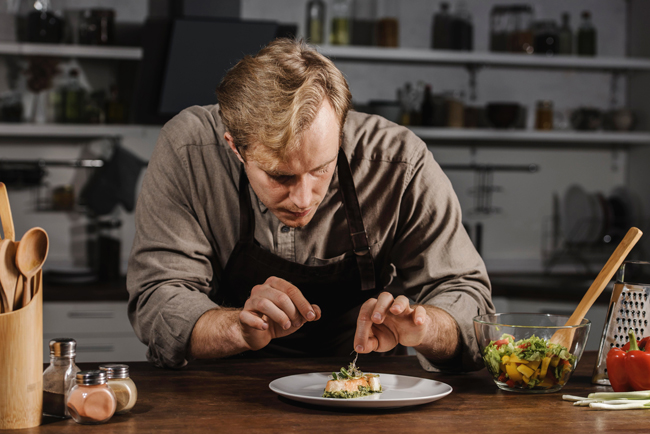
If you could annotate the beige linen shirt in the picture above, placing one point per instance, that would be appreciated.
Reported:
(187, 224)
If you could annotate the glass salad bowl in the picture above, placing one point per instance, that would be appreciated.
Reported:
(520, 355)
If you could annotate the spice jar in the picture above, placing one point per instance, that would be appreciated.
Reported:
(124, 388)
(544, 115)
(91, 401)
(59, 377)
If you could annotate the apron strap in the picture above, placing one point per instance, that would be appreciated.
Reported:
(355, 224)
(246, 217)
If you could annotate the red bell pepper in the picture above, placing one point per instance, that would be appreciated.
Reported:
(629, 370)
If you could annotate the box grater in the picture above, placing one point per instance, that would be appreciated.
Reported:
(629, 308)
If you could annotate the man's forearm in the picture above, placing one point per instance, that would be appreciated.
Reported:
(217, 334)
(443, 337)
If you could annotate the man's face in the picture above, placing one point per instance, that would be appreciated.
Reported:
(294, 189)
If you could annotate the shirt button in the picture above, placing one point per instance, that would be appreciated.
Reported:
(285, 229)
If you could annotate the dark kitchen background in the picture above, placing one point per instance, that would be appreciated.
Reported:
(537, 110)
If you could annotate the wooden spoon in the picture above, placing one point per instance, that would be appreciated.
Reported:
(30, 256)
(5, 214)
(564, 337)
(8, 273)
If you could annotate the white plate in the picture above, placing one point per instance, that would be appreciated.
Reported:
(399, 391)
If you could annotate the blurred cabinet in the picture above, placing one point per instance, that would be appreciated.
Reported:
(102, 331)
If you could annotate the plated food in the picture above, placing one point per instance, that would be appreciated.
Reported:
(351, 383)
(532, 363)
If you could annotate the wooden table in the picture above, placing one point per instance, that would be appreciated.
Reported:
(233, 396)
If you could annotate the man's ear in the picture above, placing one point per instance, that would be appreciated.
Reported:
(231, 143)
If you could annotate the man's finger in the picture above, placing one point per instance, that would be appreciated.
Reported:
(400, 305)
(264, 306)
(419, 315)
(362, 341)
(297, 298)
(384, 301)
(251, 320)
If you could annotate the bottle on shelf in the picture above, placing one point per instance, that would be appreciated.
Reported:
(364, 22)
(115, 111)
(586, 37)
(341, 18)
(73, 99)
(462, 36)
(427, 108)
(388, 24)
(441, 31)
(315, 22)
(565, 36)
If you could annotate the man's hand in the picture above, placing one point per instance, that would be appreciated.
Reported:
(274, 309)
(385, 321)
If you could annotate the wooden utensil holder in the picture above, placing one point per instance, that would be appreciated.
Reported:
(21, 363)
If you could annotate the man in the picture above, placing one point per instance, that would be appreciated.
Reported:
(281, 223)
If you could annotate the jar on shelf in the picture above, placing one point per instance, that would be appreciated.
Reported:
(43, 24)
(122, 385)
(364, 22)
(341, 18)
(521, 38)
(544, 115)
(91, 401)
(59, 377)
(315, 31)
(462, 30)
(441, 29)
(546, 37)
(501, 26)
(388, 24)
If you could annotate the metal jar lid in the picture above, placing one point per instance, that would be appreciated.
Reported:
(115, 370)
(91, 378)
(63, 347)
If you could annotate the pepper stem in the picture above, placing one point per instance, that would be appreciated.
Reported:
(633, 345)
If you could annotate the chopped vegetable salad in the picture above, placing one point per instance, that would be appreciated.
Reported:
(528, 363)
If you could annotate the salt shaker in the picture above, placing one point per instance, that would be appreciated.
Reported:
(59, 377)
(123, 386)
(91, 401)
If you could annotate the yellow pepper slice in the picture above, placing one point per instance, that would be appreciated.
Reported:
(554, 361)
(534, 365)
(515, 359)
(525, 370)
(514, 375)
(505, 359)
(544, 369)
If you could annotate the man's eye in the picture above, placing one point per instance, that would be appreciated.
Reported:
(280, 178)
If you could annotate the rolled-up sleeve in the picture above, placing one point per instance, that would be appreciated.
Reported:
(436, 261)
(170, 272)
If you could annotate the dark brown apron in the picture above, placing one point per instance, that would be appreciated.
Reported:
(338, 289)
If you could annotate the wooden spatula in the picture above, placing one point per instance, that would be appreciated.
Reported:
(564, 337)
(8, 273)
(5, 214)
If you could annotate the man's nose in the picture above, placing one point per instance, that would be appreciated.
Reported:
(301, 193)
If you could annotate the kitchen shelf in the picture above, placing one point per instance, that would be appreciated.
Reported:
(70, 131)
(76, 51)
(478, 58)
(595, 138)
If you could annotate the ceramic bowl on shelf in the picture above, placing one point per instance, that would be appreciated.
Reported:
(518, 354)
(503, 115)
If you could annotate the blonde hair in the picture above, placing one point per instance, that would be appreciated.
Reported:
(270, 98)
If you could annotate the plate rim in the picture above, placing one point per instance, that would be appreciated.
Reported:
(379, 403)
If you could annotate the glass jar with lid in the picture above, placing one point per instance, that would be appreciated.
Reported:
(91, 401)
(315, 31)
(521, 40)
(341, 18)
(546, 37)
(59, 377)
(501, 25)
(123, 386)
(388, 24)
(364, 21)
